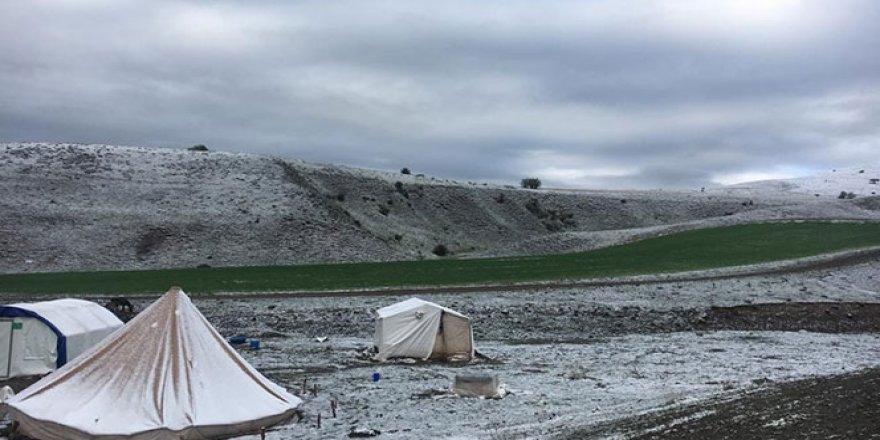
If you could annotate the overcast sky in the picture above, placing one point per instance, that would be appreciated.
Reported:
(590, 94)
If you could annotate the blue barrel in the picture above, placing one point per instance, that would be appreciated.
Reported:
(255, 344)
(376, 376)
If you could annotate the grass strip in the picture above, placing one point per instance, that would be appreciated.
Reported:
(685, 251)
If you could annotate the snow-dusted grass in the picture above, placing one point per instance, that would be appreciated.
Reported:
(686, 251)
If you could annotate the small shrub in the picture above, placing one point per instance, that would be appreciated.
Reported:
(405, 170)
(552, 226)
(530, 183)
(384, 210)
(535, 208)
(198, 147)
(500, 198)
(567, 218)
(340, 197)
(400, 189)
(440, 250)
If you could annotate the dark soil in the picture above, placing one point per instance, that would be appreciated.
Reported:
(814, 317)
(560, 323)
(838, 407)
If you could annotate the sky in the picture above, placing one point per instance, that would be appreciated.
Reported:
(580, 94)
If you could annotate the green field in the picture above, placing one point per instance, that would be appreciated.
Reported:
(693, 250)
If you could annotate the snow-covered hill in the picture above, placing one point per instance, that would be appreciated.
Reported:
(84, 207)
(860, 181)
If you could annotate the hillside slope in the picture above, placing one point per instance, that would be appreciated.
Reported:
(861, 181)
(97, 207)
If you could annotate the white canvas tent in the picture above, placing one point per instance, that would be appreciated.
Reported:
(168, 374)
(37, 338)
(420, 329)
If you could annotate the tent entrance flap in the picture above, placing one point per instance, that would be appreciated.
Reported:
(6, 335)
(453, 337)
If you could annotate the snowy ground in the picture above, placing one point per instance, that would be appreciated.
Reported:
(621, 364)
(553, 387)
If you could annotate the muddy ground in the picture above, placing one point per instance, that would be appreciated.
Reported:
(842, 407)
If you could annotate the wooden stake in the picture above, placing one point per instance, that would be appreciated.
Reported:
(262, 433)
(333, 407)
(319, 420)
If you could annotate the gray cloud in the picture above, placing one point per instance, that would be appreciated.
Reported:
(600, 94)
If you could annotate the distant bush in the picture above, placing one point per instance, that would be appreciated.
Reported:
(198, 147)
(552, 226)
(400, 189)
(534, 206)
(530, 183)
(553, 219)
(846, 195)
(405, 170)
(440, 250)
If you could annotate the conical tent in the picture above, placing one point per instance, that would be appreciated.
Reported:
(420, 329)
(167, 374)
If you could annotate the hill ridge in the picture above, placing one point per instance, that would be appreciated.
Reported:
(98, 207)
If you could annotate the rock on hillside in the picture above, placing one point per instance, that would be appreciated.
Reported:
(89, 207)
